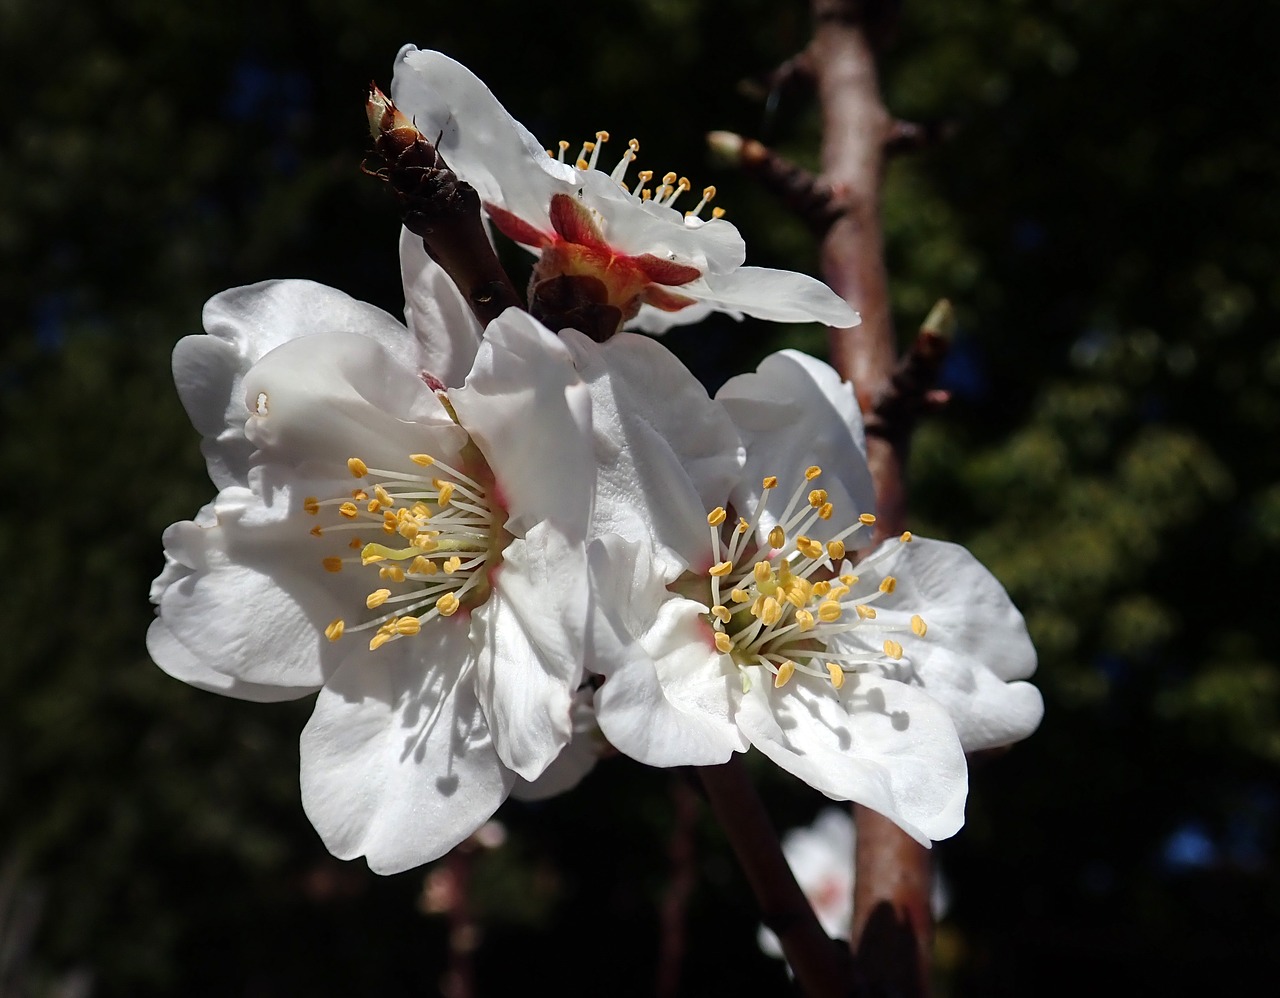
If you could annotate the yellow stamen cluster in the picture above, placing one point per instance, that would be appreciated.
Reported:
(665, 192)
(438, 539)
(780, 604)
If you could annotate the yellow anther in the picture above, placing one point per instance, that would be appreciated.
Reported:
(812, 472)
(602, 136)
(762, 571)
(452, 564)
(374, 506)
(422, 566)
(408, 529)
(888, 584)
(332, 564)
(646, 194)
(378, 640)
(446, 492)
(717, 516)
(724, 643)
(645, 176)
(829, 611)
(817, 497)
(335, 629)
(805, 619)
(633, 145)
(357, 467)
(311, 504)
(562, 145)
(757, 606)
(840, 591)
(359, 495)
(393, 572)
(722, 613)
(408, 625)
(892, 649)
(581, 163)
(589, 146)
(423, 460)
(668, 179)
(825, 511)
(422, 509)
(448, 605)
(918, 627)
(376, 598)
(835, 550)
(797, 593)
(770, 482)
(906, 537)
(425, 541)
(821, 588)
(849, 580)
(866, 519)
(836, 673)
(350, 510)
(739, 595)
(808, 547)
(384, 496)
(743, 525)
(866, 612)
(709, 192)
(721, 570)
(316, 532)
(355, 543)
(777, 537)
(785, 671)
(770, 611)
(717, 213)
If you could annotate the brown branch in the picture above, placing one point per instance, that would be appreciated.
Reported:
(440, 208)
(819, 966)
(681, 853)
(910, 390)
(801, 191)
(891, 932)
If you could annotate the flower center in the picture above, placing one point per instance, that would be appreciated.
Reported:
(433, 538)
(781, 607)
(665, 193)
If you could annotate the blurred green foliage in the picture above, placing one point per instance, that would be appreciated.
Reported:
(1105, 221)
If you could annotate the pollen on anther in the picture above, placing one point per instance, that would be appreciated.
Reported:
(771, 482)
(311, 504)
(721, 613)
(918, 627)
(866, 519)
(332, 564)
(335, 629)
(448, 605)
(408, 625)
(906, 537)
(350, 510)
(888, 584)
(452, 564)
(376, 598)
(829, 611)
(825, 511)
(357, 467)
(771, 611)
(777, 537)
(717, 516)
(316, 532)
(721, 569)
(835, 550)
(743, 525)
(808, 547)
(762, 571)
(785, 671)
(423, 460)
(724, 643)
(892, 649)
(740, 596)
(817, 497)
(836, 673)
(866, 612)
(812, 472)
(805, 620)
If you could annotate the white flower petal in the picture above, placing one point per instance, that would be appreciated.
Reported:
(775, 295)
(666, 454)
(479, 140)
(528, 645)
(447, 332)
(975, 646)
(879, 743)
(667, 698)
(397, 762)
(793, 412)
(175, 659)
(575, 760)
(331, 396)
(527, 410)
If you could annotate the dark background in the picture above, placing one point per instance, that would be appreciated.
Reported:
(1105, 220)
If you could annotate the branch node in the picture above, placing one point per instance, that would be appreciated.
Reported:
(814, 200)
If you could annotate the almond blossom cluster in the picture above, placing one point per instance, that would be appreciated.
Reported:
(490, 551)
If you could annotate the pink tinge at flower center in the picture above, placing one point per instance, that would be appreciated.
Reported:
(577, 244)
(433, 537)
(780, 607)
